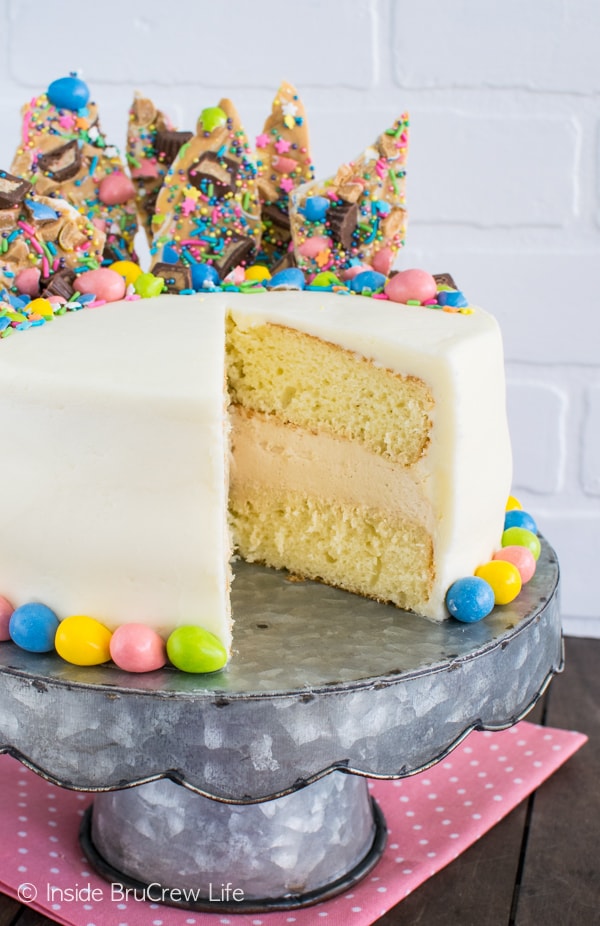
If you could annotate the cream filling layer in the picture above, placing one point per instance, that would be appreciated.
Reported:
(265, 452)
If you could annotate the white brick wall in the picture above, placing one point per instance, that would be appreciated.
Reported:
(503, 191)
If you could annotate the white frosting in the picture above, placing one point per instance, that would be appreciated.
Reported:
(114, 447)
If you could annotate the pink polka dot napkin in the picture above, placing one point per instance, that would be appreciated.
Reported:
(432, 817)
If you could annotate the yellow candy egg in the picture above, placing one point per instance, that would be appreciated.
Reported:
(41, 307)
(257, 272)
(504, 578)
(513, 503)
(83, 641)
(127, 269)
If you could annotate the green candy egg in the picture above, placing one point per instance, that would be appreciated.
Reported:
(147, 285)
(325, 278)
(194, 649)
(212, 118)
(521, 537)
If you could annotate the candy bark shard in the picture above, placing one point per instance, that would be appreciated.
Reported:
(364, 220)
(284, 163)
(207, 210)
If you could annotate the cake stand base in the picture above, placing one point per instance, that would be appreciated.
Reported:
(289, 852)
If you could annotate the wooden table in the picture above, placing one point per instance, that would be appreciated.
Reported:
(540, 866)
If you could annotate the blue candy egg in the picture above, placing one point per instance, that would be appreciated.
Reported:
(33, 627)
(170, 255)
(291, 278)
(518, 518)
(368, 279)
(204, 276)
(315, 208)
(40, 211)
(452, 298)
(69, 93)
(470, 599)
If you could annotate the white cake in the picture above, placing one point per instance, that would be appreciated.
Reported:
(116, 436)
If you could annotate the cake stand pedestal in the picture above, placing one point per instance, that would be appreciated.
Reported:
(245, 790)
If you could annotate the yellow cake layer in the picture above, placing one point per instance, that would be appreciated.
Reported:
(322, 387)
(352, 547)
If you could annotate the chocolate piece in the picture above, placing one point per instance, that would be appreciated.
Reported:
(236, 250)
(284, 263)
(280, 219)
(444, 279)
(61, 163)
(59, 284)
(220, 171)
(176, 276)
(167, 144)
(342, 218)
(13, 190)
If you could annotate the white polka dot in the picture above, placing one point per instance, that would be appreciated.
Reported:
(417, 826)
(22, 819)
(431, 854)
(382, 890)
(56, 906)
(476, 816)
(22, 868)
(482, 774)
(474, 762)
(323, 913)
(517, 781)
(23, 851)
(357, 909)
(467, 803)
(454, 835)
(407, 871)
(432, 797)
(55, 871)
(498, 797)
(393, 845)
(410, 813)
(446, 822)
(22, 834)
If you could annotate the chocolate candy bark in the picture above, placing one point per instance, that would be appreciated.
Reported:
(357, 217)
(152, 145)
(283, 162)
(207, 211)
(64, 153)
(41, 237)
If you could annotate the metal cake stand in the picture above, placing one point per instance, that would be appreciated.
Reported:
(245, 790)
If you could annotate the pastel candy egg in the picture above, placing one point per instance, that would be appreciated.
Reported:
(312, 247)
(213, 117)
(116, 188)
(290, 278)
(204, 276)
(519, 518)
(137, 648)
(411, 284)
(470, 599)
(521, 557)
(41, 307)
(83, 641)
(452, 298)
(28, 281)
(504, 579)
(382, 260)
(315, 208)
(104, 283)
(512, 503)
(69, 93)
(257, 272)
(367, 280)
(350, 272)
(325, 278)
(127, 269)
(147, 285)
(33, 626)
(6, 610)
(194, 649)
(521, 537)
(284, 165)
(170, 255)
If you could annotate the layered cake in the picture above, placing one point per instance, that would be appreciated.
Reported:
(219, 406)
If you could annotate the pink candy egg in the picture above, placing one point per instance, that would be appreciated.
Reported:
(104, 283)
(351, 272)
(137, 648)
(313, 246)
(28, 282)
(116, 188)
(521, 557)
(411, 284)
(6, 610)
(382, 261)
